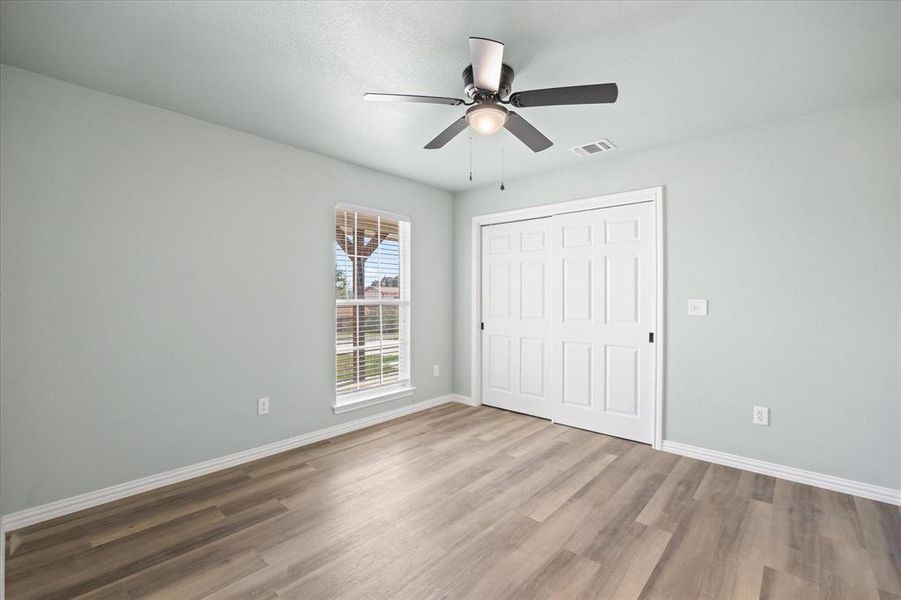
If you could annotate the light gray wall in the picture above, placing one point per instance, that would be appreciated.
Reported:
(159, 273)
(792, 231)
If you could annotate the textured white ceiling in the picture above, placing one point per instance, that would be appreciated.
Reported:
(296, 72)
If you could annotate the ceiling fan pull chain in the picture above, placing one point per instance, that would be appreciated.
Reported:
(470, 155)
(502, 165)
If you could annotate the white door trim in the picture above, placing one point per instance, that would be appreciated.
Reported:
(654, 194)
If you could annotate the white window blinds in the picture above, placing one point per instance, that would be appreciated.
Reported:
(372, 301)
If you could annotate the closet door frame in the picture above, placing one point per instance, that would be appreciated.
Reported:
(653, 194)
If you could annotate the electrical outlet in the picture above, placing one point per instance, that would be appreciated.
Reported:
(435, 370)
(761, 415)
(263, 406)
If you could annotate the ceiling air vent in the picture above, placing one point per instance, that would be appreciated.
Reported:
(597, 147)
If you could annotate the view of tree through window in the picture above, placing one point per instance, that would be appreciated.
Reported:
(371, 301)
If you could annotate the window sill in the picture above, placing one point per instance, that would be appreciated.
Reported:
(366, 398)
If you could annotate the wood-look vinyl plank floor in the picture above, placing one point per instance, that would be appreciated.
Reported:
(463, 502)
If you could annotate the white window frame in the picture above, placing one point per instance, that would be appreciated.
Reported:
(349, 401)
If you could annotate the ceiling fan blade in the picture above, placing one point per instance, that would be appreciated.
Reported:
(487, 57)
(412, 98)
(526, 133)
(599, 93)
(448, 134)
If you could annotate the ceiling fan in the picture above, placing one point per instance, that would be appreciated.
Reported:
(487, 83)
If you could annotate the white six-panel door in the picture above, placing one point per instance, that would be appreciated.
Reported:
(516, 316)
(603, 363)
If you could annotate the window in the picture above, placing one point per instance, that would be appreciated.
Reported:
(372, 306)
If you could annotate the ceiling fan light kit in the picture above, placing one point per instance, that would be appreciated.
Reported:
(486, 118)
(488, 82)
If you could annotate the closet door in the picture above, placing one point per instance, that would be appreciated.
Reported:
(602, 360)
(516, 316)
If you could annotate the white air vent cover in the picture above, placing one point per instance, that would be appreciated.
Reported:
(597, 147)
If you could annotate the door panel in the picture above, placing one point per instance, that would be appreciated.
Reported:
(532, 290)
(499, 244)
(621, 289)
(499, 365)
(604, 367)
(577, 373)
(576, 234)
(499, 290)
(620, 232)
(576, 290)
(516, 316)
(532, 359)
(621, 369)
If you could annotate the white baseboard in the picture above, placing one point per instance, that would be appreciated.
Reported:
(467, 400)
(45, 512)
(829, 482)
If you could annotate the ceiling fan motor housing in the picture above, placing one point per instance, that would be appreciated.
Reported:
(503, 90)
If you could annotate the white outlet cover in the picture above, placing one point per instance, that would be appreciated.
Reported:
(263, 406)
(697, 307)
(761, 415)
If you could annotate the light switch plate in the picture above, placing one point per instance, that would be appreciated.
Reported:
(697, 307)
